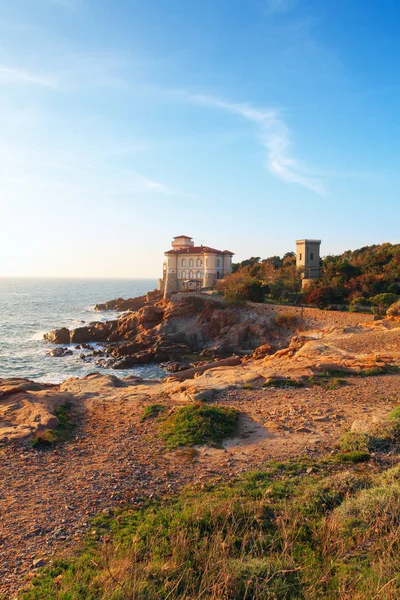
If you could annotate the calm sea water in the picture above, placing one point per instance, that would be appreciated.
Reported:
(30, 307)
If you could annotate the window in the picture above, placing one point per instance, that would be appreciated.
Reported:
(198, 262)
(183, 262)
(190, 274)
(183, 274)
(301, 256)
(218, 262)
(312, 256)
(198, 275)
(191, 262)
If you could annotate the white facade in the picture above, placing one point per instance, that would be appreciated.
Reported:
(190, 267)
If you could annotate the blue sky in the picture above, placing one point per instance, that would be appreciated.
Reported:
(246, 124)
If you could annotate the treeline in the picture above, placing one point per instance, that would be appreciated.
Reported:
(363, 279)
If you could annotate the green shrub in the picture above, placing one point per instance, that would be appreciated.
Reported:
(395, 414)
(351, 457)
(384, 300)
(46, 438)
(377, 507)
(284, 321)
(354, 441)
(152, 411)
(331, 491)
(199, 424)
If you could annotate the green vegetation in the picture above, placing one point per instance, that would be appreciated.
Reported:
(382, 438)
(358, 279)
(283, 383)
(63, 433)
(354, 441)
(353, 457)
(395, 414)
(302, 529)
(199, 424)
(152, 411)
(326, 381)
(248, 386)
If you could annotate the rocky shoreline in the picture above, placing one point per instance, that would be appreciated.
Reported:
(185, 333)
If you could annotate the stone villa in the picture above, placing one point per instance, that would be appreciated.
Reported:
(189, 268)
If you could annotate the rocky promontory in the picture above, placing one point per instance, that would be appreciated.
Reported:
(188, 330)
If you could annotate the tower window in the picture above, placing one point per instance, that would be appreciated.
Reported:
(301, 256)
(312, 256)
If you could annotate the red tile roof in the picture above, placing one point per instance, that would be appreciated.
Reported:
(198, 250)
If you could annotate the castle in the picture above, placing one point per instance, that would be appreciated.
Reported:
(189, 268)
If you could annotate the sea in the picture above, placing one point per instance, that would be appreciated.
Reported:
(31, 307)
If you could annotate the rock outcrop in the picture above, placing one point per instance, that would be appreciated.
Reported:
(133, 304)
(158, 331)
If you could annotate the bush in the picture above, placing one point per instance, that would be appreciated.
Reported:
(377, 507)
(354, 441)
(199, 424)
(384, 300)
(242, 287)
(284, 321)
(395, 414)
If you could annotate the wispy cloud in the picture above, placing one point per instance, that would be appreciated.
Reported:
(11, 75)
(275, 137)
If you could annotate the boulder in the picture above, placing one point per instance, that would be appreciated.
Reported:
(58, 336)
(81, 335)
(59, 352)
(394, 310)
(149, 316)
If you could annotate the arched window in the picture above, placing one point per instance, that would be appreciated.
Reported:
(198, 275)
(190, 274)
(183, 274)
(199, 262)
(183, 262)
(191, 262)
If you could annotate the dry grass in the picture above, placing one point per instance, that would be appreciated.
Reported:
(296, 530)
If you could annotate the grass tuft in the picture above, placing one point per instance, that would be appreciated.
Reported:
(199, 424)
(283, 383)
(152, 411)
(63, 433)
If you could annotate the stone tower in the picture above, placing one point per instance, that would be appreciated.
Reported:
(308, 260)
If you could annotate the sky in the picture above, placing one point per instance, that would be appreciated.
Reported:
(246, 124)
